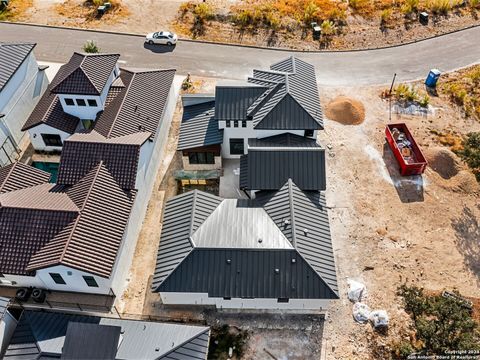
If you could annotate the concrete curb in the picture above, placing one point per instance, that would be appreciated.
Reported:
(99, 31)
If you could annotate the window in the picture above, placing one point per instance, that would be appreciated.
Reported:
(282, 300)
(92, 102)
(69, 102)
(227, 298)
(81, 102)
(236, 147)
(235, 123)
(201, 158)
(90, 280)
(228, 123)
(309, 133)
(244, 123)
(57, 278)
(52, 139)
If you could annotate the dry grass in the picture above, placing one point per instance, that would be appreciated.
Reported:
(87, 11)
(463, 89)
(449, 138)
(16, 10)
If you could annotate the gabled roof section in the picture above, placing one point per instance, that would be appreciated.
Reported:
(247, 273)
(90, 341)
(227, 258)
(182, 216)
(12, 56)
(84, 74)
(82, 152)
(199, 128)
(49, 111)
(139, 105)
(19, 176)
(303, 217)
(91, 242)
(270, 162)
(42, 333)
(292, 101)
(232, 101)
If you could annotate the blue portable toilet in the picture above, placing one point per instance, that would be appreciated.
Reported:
(432, 78)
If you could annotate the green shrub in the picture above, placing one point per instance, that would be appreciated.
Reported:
(441, 7)
(386, 16)
(203, 12)
(410, 6)
(471, 152)
(328, 28)
(474, 4)
(90, 47)
(405, 92)
(441, 323)
(424, 101)
(310, 13)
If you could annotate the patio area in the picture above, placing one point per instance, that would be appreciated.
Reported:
(230, 181)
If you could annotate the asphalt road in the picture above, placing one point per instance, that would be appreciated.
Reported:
(410, 62)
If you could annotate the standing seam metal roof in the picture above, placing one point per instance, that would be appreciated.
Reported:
(43, 333)
(199, 128)
(301, 216)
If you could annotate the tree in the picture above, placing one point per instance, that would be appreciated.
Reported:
(90, 47)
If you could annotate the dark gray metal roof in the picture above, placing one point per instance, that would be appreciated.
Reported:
(270, 162)
(12, 55)
(43, 333)
(90, 341)
(199, 128)
(300, 215)
(182, 216)
(307, 226)
(247, 273)
(232, 102)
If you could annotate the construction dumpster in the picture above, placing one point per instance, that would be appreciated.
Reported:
(406, 151)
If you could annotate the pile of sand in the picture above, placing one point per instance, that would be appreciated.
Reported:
(443, 161)
(346, 111)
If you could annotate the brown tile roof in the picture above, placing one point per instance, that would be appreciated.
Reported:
(85, 74)
(49, 111)
(92, 242)
(139, 106)
(83, 151)
(40, 197)
(18, 176)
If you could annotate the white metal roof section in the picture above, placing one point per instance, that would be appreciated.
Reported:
(236, 224)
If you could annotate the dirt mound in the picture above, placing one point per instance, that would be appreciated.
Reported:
(443, 161)
(346, 111)
(465, 182)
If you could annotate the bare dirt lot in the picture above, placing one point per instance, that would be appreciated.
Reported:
(386, 230)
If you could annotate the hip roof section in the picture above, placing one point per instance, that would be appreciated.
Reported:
(12, 56)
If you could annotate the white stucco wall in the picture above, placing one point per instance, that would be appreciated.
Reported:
(19, 97)
(248, 133)
(238, 303)
(152, 160)
(73, 279)
(37, 140)
(21, 281)
(88, 112)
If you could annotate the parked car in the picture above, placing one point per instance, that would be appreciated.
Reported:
(161, 37)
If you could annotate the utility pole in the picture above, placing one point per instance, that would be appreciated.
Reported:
(390, 99)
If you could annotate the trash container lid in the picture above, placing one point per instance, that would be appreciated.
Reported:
(435, 71)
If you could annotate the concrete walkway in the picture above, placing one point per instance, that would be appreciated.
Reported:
(353, 68)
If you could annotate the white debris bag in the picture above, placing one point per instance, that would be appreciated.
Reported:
(356, 291)
(361, 312)
(379, 318)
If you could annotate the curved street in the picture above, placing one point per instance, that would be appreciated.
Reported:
(410, 62)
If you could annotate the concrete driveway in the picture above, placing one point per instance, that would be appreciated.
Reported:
(410, 62)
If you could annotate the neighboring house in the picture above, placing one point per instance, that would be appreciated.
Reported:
(280, 107)
(52, 335)
(80, 233)
(79, 91)
(273, 252)
(22, 83)
(8, 323)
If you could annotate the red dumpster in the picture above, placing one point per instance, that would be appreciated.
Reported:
(406, 151)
